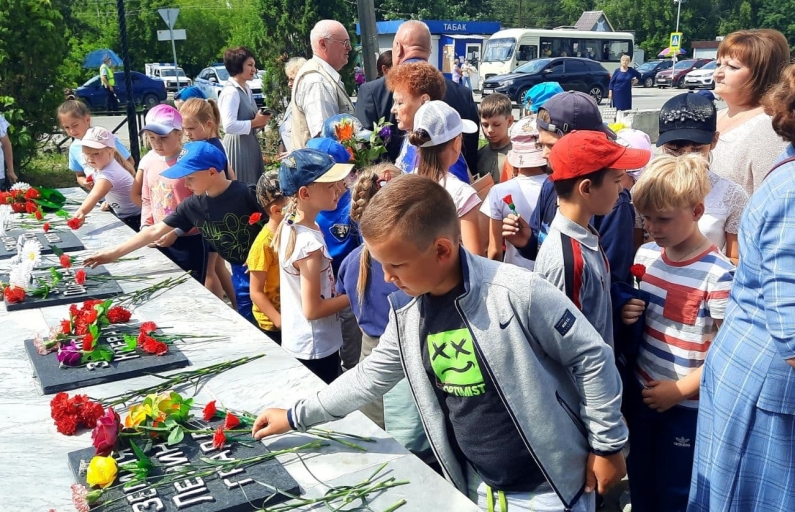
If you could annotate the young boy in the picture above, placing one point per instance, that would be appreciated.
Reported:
(525, 156)
(587, 169)
(263, 262)
(688, 280)
(219, 208)
(496, 118)
(481, 362)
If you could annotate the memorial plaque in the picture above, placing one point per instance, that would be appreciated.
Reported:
(63, 240)
(125, 365)
(67, 291)
(235, 489)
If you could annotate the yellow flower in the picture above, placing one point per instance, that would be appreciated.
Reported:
(101, 471)
(137, 415)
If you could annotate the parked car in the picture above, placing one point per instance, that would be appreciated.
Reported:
(572, 73)
(146, 91)
(212, 79)
(649, 69)
(165, 72)
(683, 67)
(702, 78)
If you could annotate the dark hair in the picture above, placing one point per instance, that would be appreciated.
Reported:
(565, 188)
(496, 104)
(430, 161)
(234, 58)
(414, 208)
(385, 59)
(764, 51)
(779, 103)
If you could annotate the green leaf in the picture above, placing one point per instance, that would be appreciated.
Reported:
(176, 436)
(63, 214)
(57, 251)
(94, 330)
(131, 343)
(144, 462)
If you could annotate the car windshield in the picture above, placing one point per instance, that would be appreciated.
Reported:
(686, 64)
(170, 72)
(647, 66)
(498, 50)
(710, 65)
(534, 66)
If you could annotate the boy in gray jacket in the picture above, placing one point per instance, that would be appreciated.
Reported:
(487, 348)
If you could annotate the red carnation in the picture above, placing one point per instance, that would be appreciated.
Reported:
(219, 438)
(58, 404)
(73, 311)
(31, 207)
(638, 271)
(231, 421)
(66, 326)
(148, 328)
(152, 346)
(88, 342)
(119, 315)
(14, 294)
(5, 198)
(38, 214)
(81, 327)
(32, 193)
(89, 304)
(255, 217)
(65, 260)
(66, 425)
(89, 316)
(209, 411)
(90, 412)
(90, 178)
(74, 223)
(46, 227)
(18, 207)
(80, 277)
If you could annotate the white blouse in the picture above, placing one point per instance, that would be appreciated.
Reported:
(228, 103)
(723, 208)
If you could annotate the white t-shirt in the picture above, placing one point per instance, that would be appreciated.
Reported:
(723, 208)
(464, 196)
(306, 339)
(3, 132)
(524, 191)
(121, 182)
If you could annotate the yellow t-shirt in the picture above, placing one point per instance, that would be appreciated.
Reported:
(263, 258)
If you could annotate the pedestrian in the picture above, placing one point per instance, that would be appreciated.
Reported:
(108, 79)
(620, 86)
(291, 68)
(466, 73)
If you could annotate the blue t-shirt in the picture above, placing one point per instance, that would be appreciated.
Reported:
(407, 162)
(339, 231)
(77, 161)
(374, 316)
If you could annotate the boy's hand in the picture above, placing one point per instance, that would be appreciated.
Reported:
(270, 423)
(603, 472)
(632, 310)
(661, 395)
(167, 240)
(99, 258)
(516, 230)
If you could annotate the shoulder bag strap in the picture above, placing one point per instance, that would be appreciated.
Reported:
(785, 161)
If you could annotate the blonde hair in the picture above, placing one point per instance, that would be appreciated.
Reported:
(203, 111)
(367, 185)
(672, 182)
(290, 211)
(73, 108)
(123, 162)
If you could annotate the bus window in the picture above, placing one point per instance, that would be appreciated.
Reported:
(499, 50)
(557, 47)
(613, 50)
(526, 52)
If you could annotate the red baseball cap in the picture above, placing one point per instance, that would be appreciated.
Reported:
(582, 152)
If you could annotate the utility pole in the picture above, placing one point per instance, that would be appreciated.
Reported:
(369, 34)
(132, 124)
(673, 67)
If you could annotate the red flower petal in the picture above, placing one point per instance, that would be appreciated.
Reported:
(88, 342)
(119, 315)
(209, 411)
(38, 214)
(148, 328)
(637, 270)
(254, 218)
(66, 326)
(65, 260)
(73, 223)
(231, 421)
(219, 438)
(46, 227)
(80, 277)
(508, 199)
(14, 294)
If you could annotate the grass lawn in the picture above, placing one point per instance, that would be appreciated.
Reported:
(50, 170)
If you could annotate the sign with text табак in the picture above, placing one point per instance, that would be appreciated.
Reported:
(676, 41)
(125, 365)
(236, 489)
(63, 240)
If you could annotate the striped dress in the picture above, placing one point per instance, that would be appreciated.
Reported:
(745, 448)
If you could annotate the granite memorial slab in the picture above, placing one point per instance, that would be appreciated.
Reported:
(227, 489)
(66, 290)
(53, 378)
(63, 240)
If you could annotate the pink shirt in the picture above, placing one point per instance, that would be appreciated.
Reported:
(160, 196)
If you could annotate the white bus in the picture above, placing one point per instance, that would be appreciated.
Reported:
(507, 49)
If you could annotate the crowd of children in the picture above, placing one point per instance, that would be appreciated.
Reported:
(519, 335)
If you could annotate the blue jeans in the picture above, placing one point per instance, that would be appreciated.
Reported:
(240, 282)
(466, 81)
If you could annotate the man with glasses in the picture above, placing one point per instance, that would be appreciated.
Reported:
(318, 92)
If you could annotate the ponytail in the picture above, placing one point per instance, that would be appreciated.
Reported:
(430, 161)
(123, 162)
(203, 111)
(289, 217)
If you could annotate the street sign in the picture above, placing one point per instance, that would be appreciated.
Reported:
(165, 35)
(169, 16)
(676, 41)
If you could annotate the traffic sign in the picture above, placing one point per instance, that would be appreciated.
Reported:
(676, 41)
(165, 35)
(169, 16)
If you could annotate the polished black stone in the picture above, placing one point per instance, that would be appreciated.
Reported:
(63, 240)
(238, 490)
(67, 291)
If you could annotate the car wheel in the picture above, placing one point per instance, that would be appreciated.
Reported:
(150, 100)
(520, 95)
(597, 94)
(681, 83)
(649, 82)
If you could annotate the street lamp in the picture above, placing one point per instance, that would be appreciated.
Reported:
(673, 68)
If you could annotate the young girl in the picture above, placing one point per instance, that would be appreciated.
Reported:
(200, 121)
(437, 133)
(75, 118)
(263, 262)
(160, 195)
(309, 305)
(112, 178)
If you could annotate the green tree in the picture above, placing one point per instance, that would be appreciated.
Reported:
(33, 47)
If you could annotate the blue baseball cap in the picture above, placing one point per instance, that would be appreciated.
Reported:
(540, 93)
(187, 93)
(331, 147)
(194, 157)
(305, 166)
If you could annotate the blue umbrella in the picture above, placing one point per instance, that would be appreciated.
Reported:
(95, 58)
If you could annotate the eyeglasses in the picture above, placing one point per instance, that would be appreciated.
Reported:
(346, 43)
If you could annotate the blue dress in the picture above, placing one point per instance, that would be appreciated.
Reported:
(621, 85)
(745, 446)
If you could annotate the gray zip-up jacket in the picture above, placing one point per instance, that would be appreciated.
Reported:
(551, 369)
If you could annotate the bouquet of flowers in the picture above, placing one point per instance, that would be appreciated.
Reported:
(24, 198)
(365, 146)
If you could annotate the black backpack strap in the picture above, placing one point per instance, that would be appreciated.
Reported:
(785, 161)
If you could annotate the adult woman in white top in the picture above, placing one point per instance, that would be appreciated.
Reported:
(240, 117)
(749, 63)
(286, 125)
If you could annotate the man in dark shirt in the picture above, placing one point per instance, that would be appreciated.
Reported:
(413, 43)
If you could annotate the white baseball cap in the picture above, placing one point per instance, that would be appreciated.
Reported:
(442, 123)
(98, 137)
